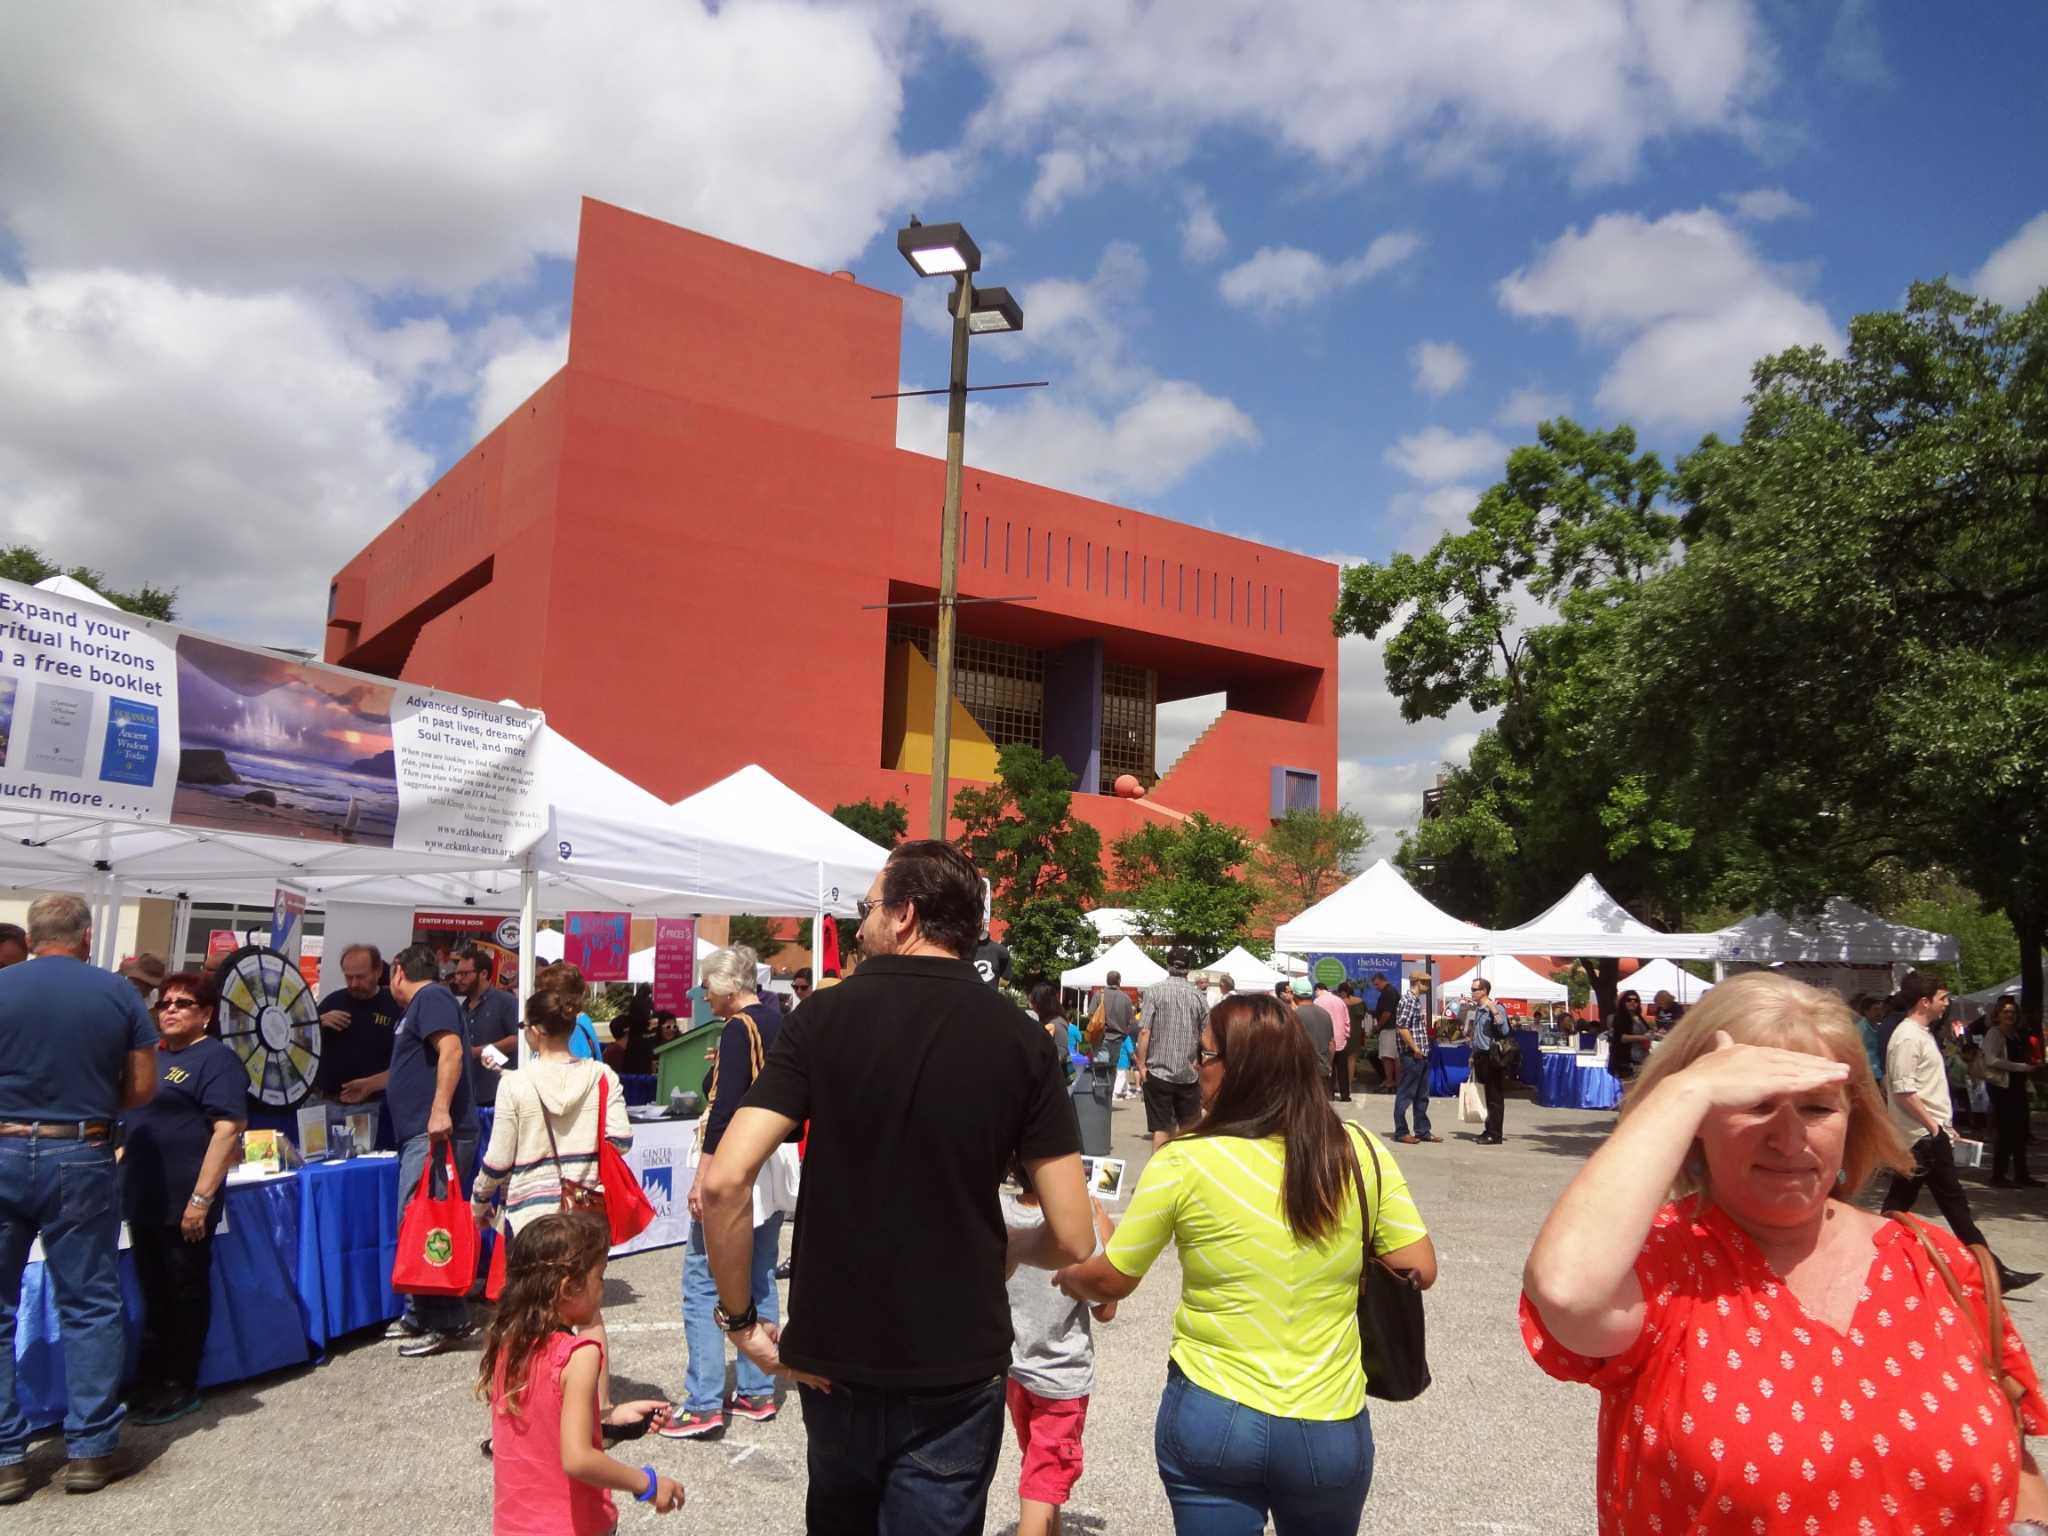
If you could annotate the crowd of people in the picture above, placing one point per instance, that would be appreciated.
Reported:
(1769, 1354)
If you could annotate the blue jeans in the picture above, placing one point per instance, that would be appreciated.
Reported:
(65, 1191)
(704, 1375)
(905, 1463)
(1412, 1087)
(438, 1314)
(1226, 1465)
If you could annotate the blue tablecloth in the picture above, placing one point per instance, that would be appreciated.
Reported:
(1449, 1065)
(639, 1087)
(1564, 1084)
(1532, 1054)
(317, 1245)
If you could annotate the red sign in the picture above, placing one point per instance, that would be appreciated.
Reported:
(596, 943)
(220, 943)
(675, 963)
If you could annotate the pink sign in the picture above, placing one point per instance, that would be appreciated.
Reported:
(596, 944)
(675, 963)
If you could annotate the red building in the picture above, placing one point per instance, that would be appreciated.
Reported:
(705, 504)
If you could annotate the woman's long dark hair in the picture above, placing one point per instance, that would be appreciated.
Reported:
(1273, 1087)
(548, 1253)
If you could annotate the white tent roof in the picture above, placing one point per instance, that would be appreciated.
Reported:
(1587, 921)
(1380, 912)
(1510, 978)
(1654, 976)
(1136, 968)
(1978, 1002)
(824, 863)
(77, 591)
(1842, 934)
(1247, 972)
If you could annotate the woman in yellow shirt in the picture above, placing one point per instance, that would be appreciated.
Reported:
(1266, 1199)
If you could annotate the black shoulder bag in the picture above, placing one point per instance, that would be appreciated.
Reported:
(1390, 1331)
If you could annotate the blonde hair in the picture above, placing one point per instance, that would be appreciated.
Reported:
(1761, 1008)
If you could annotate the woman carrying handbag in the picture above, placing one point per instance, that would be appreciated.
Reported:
(544, 1142)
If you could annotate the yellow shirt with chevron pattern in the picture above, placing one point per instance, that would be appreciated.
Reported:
(1264, 1320)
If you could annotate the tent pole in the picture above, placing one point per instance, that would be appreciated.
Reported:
(181, 919)
(529, 931)
(818, 933)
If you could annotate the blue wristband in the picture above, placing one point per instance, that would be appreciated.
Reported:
(646, 1495)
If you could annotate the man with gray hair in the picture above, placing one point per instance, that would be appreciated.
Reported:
(76, 1048)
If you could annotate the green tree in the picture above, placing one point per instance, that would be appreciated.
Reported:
(1305, 854)
(1989, 950)
(27, 565)
(757, 933)
(1043, 865)
(887, 823)
(1184, 884)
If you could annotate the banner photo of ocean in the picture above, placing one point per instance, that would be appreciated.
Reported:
(248, 791)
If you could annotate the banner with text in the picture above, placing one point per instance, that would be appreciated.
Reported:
(675, 963)
(106, 714)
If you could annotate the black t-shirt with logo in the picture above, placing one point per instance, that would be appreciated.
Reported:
(364, 1048)
(165, 1139)
(921, 1085)
(992, 962)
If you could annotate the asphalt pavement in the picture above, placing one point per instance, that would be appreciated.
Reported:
(372, 1445)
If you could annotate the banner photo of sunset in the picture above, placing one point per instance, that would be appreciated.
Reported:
(279, 747)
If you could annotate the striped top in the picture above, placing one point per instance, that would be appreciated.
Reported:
(1263, 1320)
(519, 1157)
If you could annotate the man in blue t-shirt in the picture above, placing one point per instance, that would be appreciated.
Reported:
(427, 1090)
(76, 1048)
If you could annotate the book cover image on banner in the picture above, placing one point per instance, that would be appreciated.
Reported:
(108, 715)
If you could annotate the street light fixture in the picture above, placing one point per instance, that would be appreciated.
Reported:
(945, 250)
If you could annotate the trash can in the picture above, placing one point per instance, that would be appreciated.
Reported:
(1094, 1086)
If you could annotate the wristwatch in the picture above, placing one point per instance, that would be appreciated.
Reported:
(736, 1323)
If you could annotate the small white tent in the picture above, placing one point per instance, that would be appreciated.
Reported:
(1380, 913)
(1587, 921)
(1510, 978)
(1654, 976)
(1973, 1003)
(1135, 968)
(1841, 934)
(1247, 972)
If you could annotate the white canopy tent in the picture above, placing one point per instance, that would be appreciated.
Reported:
(1586, 921)
(837, 862)
(1974, 1003)
(1654, 976)
(1510, 978)
(1380, 912)
(1135, 968)
(1247, 972)
(1841, 934)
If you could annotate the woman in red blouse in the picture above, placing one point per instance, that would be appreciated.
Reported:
(1771, 1358)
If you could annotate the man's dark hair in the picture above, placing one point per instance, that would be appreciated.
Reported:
(13, 933)
(943, 884)
(474, 954)
(1114, 979)
(1177, 967)
(1917, 987)
(417, 962)
(1344, 989)
(801, 973)
(1379, 978)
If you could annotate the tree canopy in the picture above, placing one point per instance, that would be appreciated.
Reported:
(1043, 864)
(1183, 883)
(1305, 855)
(887, 823)
(27, 565)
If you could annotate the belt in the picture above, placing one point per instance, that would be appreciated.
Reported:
(58, 1130)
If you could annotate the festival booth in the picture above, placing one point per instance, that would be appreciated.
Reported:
(1973, 1005)
(146, 760)
(1654, 976)
(1369, 925)
(1247, 972)
(1842, 947)
(1133, 966)
(1512, 982)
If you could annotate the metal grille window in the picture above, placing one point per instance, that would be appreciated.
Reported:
(1130, 703)
(1002, 685)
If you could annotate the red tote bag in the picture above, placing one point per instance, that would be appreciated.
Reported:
(437, 1244)
(626, 1205)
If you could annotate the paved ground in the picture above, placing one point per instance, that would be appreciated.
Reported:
(371, 1444)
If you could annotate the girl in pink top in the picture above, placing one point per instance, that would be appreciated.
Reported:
(552, 1477)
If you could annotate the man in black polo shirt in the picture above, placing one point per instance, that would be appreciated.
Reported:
(923, 1086)
(492, 1016)
(356, 1022)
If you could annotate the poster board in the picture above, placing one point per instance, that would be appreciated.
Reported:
(495, 933)
(598, 944)
(675, 963)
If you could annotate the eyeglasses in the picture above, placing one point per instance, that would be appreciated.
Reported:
(800, 988)
(863, 906)
(165, 1005)
(1203, 1055)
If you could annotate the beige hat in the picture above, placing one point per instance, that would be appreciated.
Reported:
(150, 970)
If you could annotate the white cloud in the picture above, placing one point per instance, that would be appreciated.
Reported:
(1527, 407)
(1202, 239)
(1855, 47)
(405, 145)
(238, 448)
(1176, 725)
(1459, 84)
(1436, 455)
(520, 363)
(1062, 173)
(1285, 277)
(1440, 367)
(1420, 518)
(2018, 269)
(1686, 299)
(1765, 205)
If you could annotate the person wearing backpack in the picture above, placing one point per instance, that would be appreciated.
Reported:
(543, 1151)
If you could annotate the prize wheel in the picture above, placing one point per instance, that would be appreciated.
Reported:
(268, 1017)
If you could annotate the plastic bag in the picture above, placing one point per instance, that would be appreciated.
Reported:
(1471, 1103)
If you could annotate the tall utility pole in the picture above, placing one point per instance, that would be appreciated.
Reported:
(949, 558)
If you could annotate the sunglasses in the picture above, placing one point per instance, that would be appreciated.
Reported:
(1203, 1055)
(165, 1005)
(863, 906)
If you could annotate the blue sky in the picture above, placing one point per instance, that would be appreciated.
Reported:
(1302, 272)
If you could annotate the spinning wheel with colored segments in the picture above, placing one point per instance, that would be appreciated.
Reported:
(268, 1017)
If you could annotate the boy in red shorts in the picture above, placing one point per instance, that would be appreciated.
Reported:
(1052, 1370)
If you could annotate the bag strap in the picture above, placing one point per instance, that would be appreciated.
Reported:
(755, 1058)
(1994, 1309)
(1370, 1211)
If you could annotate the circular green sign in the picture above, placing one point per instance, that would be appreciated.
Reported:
(1330, 971)
(440, 1246)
